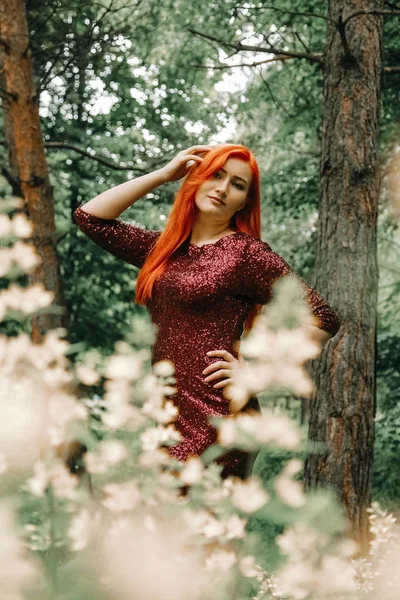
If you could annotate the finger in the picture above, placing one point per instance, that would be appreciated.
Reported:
(216, 365)
(224, 353)
(219, 374)
(204, 148)
(188, 157)
(224, 383)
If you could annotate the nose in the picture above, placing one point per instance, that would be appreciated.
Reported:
(222, 187)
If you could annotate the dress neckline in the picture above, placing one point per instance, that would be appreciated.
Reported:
(214, 243)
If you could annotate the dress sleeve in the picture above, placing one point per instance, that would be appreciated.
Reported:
(262, 268)
(131, 243)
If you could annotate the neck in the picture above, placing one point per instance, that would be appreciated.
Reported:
(206, 232)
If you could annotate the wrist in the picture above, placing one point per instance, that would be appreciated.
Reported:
(162, 176)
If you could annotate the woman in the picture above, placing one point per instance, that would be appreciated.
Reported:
(203, 279)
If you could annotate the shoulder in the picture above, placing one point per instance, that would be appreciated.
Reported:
(253, 246)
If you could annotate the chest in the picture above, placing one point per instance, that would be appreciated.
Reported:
(198, 280)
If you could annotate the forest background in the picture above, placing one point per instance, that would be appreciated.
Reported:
(123, 86)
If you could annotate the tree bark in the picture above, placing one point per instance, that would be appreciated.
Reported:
(343, 408)
(27, 156)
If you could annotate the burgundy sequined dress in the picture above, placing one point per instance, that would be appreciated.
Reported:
(199, 304)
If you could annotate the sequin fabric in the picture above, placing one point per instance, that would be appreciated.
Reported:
(199, 304)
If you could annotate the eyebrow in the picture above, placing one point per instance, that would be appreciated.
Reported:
(236, 176)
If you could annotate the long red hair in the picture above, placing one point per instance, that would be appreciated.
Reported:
(182, 217)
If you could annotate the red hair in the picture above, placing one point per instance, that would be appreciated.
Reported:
(182, 217)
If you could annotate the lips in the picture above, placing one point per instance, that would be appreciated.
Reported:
(217, 199)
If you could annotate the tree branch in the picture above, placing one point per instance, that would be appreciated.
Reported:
(392, 69)
(254, 64)
(298, 14)
(100, 159)
(384, 13)
(341, 27)
(239, 47)
(97, 158)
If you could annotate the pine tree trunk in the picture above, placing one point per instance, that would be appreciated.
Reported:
(28, 169)
(342, 411)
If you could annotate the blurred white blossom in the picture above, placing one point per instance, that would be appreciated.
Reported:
(315, 566)
(154, 437)
(82, 525)
(164, 368)
(290, 491)
(162, 411)
(21, 226)
(138, 561)
(221, 559)
(249, 495)
(192, 472)
(25, 300)
(121, 497)
(25, 256)
(108, 453)
(18, 570)
(56, 474)
(251, 431)
(5, 227)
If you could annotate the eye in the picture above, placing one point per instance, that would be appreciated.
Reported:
(239, 186)
(217, 175)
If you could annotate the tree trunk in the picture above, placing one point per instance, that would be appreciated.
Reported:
(343, 409)
(29, 175)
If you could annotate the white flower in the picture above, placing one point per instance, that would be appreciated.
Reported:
(196, 520)
(64, 408)
(164, 368)
(87, 374)
(227, 432)
(27, 300)
(235, 527)
(289, 491)
(248, 495)
(121, 496)
(153, 437)
(221, 559)
(192, 472)
(38, 483)
(213, 528)
(113, 451)
(64, 484)
(123, 366)
(248, 566)
(6, 259)
(81, 527)
(22, 226)
(299, 539)
(152, 458)
(5, 226)
(19, 572)
(25, 256)
(161, 411)
(109, 453)
(250, 431)
(94, 463)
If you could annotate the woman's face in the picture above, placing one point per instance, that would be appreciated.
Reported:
(226, 191)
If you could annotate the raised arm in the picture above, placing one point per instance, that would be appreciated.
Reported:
(98, 217)
(111, 203)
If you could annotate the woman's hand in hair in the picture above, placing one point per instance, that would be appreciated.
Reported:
(178, 167)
